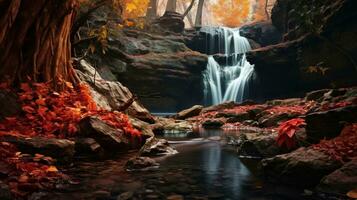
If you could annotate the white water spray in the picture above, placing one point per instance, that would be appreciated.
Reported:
(228, 82)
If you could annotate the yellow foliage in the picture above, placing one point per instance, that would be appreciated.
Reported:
(231, 13)
(134, 8)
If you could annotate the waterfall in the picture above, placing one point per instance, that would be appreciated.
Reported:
(227, 81)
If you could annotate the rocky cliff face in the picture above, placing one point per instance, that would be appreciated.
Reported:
(155, 65)
(318, 48)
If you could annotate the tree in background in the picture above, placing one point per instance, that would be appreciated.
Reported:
(171, 5)
(151, 12)
(199, 14)
(232, 13)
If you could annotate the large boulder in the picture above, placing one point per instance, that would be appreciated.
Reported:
(61, 149)
(190, 112)
(306, 61)
(262, 32)
(158, 67)
(303, 167)
(110, 95)
(107, 136)
(340, 181)
(329, 124)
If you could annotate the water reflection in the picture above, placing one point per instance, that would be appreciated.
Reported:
(220, 173)
(204, 169)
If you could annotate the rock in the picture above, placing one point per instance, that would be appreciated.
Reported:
(316, 95)
(233, 118)
(138, 163)
(261, 143)
(328, 124)
(292, 168)
(166, 125)
(156, 147)
(156, 65)
(101, 195)
(9, 105)
(142, 126)
(5, 193)
(212, 123)
(340, 181)
(61, 149)
(285, 102)
(299, 57)
(263, 32)
(270, 120)
(126, 195)
(87, 146)
(110, 95)
(175, 197)
(225, 105)
(171, 21)
(108, 137)
(190, 112)
(258, 145)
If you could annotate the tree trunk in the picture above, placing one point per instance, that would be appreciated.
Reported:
(199, 14)
(151, 12)
(35, 41)
(266, 9)
(171, 5)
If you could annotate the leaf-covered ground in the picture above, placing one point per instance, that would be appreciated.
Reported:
(48, 114)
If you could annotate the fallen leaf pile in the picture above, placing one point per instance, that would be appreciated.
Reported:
(343, 147)
(52, 114)
(296, 109)
(26, 173)
(49, 114)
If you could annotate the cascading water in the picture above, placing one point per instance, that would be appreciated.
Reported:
(228, 82)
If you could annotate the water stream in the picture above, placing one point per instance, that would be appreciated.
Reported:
(204, 168)
(227, 81)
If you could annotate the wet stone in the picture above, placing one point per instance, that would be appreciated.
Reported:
(175, 197)
(125, 195)
(101, 194)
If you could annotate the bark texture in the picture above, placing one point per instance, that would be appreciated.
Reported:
(35, 40)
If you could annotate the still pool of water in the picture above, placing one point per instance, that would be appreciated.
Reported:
(204, 169)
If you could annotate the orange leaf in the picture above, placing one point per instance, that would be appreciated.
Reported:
(51, 169)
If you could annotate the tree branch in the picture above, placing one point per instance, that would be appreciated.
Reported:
(188, 9)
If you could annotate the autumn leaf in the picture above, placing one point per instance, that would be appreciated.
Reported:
(25, 87)
(352, 194)
(130, 7)
(23, 179)
(287, 130)
(28, 109)
(51, 169)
